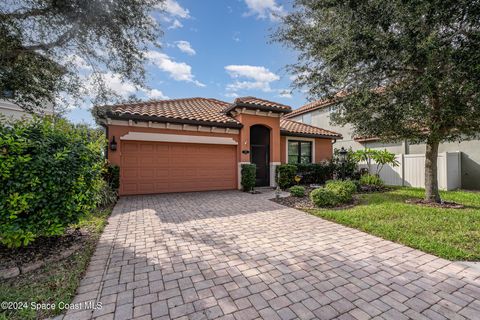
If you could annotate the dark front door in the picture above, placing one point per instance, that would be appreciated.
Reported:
(260, 153)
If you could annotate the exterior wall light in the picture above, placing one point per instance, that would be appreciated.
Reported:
(113, 144)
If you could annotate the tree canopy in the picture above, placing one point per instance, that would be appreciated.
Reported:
(45, 47)
(405, 69)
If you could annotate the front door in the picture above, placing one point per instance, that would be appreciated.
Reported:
(260, 154)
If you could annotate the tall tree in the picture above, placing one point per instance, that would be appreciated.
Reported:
(53, 49)
(407, 69)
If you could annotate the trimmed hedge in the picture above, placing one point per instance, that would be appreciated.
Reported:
(311, 173)
(248, 176)
(315, 173)
(50, 175)
(343, 189)
(297, 191)
(322, 197)
(285, 174)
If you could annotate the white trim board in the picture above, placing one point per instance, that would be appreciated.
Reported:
(177, 138)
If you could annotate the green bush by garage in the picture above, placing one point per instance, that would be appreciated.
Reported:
(50, 175)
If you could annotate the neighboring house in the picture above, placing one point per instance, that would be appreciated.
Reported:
(13, 111)
(317, 113)
(199, 144)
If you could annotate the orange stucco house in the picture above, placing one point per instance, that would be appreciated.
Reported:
(199, 144)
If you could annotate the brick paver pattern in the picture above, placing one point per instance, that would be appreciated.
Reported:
(233, 255)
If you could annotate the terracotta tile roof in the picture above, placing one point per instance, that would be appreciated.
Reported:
(195, 109)
(261, 102)
(312, 106)
(319, 104)
(294, 127)
(256, 103)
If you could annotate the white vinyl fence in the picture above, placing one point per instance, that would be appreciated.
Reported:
(411, 171)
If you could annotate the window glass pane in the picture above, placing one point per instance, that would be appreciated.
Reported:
(305, 159)
(292, 159)
(293, 152)
(306, 149)
(292, 148)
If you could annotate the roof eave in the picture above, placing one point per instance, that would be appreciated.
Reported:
(294, 113)
(137, 117)
(256, 106)
(309, 135)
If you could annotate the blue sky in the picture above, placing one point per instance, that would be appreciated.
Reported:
(218, 49)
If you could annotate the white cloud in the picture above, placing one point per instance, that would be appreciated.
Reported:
(173, 13)
(257, 78)
(179, 71)
(174, 9)
(176, 24)
(231, 95)
(264, 9)
(257, 73)
(155, 94)
(114, 82)
(185, 47)
(249, 85)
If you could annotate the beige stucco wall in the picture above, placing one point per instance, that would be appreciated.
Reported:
(470, 160)
(12, 111)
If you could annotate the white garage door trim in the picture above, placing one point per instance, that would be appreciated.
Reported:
(178, 138)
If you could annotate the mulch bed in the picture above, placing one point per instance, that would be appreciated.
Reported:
(295, 202)
(42, 249)
(443, 204)
(306, 203)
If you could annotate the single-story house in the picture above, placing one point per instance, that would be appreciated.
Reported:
(199, 144)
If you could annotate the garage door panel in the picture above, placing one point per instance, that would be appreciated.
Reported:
(129, 147)
(130, 161)
(158, 167)
(146, 147)
(147, 161)
(129, 174)
(146, 173)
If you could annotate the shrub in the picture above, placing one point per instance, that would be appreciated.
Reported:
(248, 177)
(50, 174)
(343, 189)
(349, 168)
(323, 197)
(107, 195)
(316, 173)
(371, 180)
(285, 175)
(297, 191)
(111, 175)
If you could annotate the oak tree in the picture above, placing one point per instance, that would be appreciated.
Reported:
(405, 69)
(62, 49)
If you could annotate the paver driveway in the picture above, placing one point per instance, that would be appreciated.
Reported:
(241, 256)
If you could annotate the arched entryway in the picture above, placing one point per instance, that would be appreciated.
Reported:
(260, 153)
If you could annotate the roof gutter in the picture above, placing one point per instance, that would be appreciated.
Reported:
(136, 117)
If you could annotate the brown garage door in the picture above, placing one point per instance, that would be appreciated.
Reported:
(159, 167)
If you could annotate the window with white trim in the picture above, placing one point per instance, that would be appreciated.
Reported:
(299, 151)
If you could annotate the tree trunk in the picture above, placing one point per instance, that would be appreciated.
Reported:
(431, 179)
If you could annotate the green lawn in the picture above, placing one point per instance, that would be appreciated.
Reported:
(56, 281)
(452, 234)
